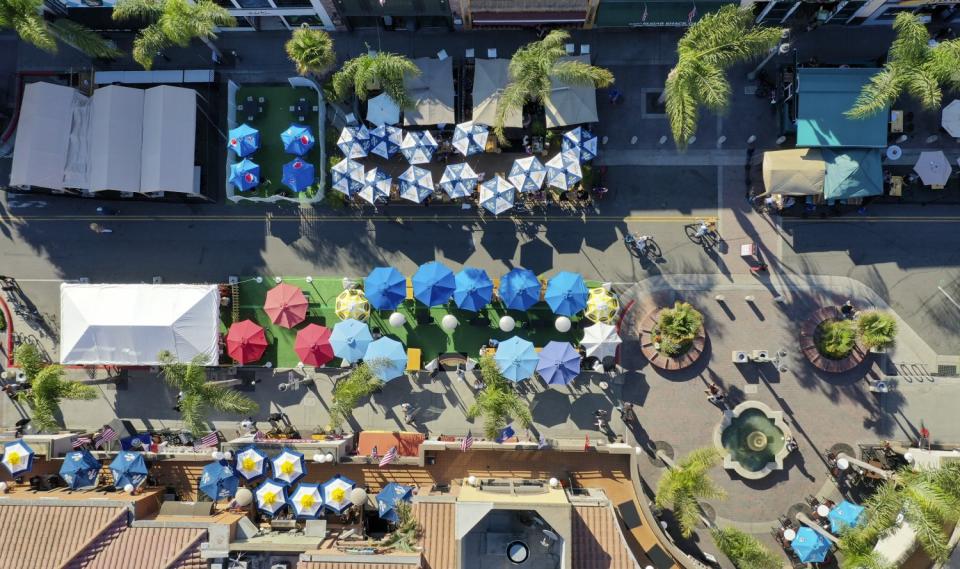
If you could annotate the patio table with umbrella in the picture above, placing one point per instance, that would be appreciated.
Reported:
(245, 175)
(376, 186)
(497, 195)
(219, 481)
(80, 469)
(581, 142)
(313, 345)
(566, 293)
(527, 174)
(386, 358)
(385, 141)
(416, 184)
(352, 304)
(286, 305)
(382, 110)
(288, 466)
(17, 457)
(354, 141)
(246, 341)
(602, 305)
(433, 284)
(298, 175)
(418, 147)
(474, 289)
(810, 546)
(243, 140)
(306, 501)
(389, 497)
(559, 363)
(350, 339)
(336, 493)
(458, 180)
(950, 118)
(563, 171)
(297, 139)
(251, 463)
(128, 468)
(271, 497)
(933, 168)
(519, 289)
(470, 138)
(844, 515)
(516, 358)
(385, 288)
(601, 341)
(347, 176)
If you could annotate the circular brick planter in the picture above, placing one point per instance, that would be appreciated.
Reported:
(662, 361)
(808, 345)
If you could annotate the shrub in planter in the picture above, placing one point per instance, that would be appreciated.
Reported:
(836, 338)
(877, 329)
(677, 327)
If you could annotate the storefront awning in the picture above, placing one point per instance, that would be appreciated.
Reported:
(825, 94)
(852, 173)
(794, 172)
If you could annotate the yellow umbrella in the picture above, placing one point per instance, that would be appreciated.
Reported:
(602, 305)
(352, 303)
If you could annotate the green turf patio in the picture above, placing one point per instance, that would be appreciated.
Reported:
(536, 325)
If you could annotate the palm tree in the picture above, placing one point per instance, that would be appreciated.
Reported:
(172, 22)
(877, 329)
(857, 550)
(744, 550)
(347, 392)
(29, 359)
(498, 402)
(26, 18)
(199, 395)
(384, 71)
(405, 537)
(912, 67)
(684, 484)
(531, 69)
(46, 390)
(310, 50)
(708, 48)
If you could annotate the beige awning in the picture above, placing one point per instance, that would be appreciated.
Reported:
(570, 105)
(490, 78)
(431, 92)
(796, 172)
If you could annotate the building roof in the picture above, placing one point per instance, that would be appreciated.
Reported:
(116, 126)
(597, 541)
(431, 92)
(569, 104)
(144, 548)
(490, 78)
(347, 565)
(825, 94)
(408, 444)
(437, 521)
(43, 135)
(169, 136)
(50, 536)
(853, 173)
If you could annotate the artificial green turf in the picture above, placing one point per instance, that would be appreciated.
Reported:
(274, 120)
(535, 325)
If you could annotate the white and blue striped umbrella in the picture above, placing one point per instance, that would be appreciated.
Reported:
(497, 195)
(354, 141)
(581, 142)
(418, 147)
(563, 171)
(376, 186)
(288, 466)
(271, 497)
(459, 180)
(347, 176)
(336, 493)
(385, 140)
(527, 174)
(470, 138)
(306, 500)
(17, 457)
(251, 463)
(415, 184)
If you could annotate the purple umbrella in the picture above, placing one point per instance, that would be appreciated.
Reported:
(559, 363)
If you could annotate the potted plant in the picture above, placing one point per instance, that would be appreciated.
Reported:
(835, 339)
(676, 328)
(877, 330)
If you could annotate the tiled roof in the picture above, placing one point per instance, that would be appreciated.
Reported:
(143, 548)
(49, 536)
(348, 565)
(597, 542)
(437, 520)
(408, 444)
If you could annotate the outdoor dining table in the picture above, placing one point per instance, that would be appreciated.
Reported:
(823, 511)
(789, 535)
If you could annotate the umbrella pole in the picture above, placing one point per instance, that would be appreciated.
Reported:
(802, 518)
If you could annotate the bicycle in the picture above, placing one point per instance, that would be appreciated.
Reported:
(642, 246)
(703, 232)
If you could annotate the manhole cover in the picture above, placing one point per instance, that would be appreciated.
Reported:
(665, 448)
(842, 448)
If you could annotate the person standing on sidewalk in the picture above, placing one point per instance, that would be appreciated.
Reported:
(407, 413)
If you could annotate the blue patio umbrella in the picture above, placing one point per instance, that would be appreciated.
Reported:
(385, 140)
(336, 493)
(458, 180)
(506, 434)
(563, 171)
(244, 140)
(17, 457)
(474, 289)
(251, 463)
(433, 284)
(80, 469)
(559, 363)
(386, 358)
(376, 186)
(418, 147)
(844, 515)
(470, 138)
(347, 176)
(566, 293)
(297, 139)
(497, 195)
(389, 497)
(128, 468)
(519, 289)
(354, 141)
(516, 358)
(306, 501)
(298, 175)
(385, 288)
(245, 175)
(288, 466)
(581, 142)
(810, 546)
(415, 184)
(527, 174)
(271, 497)
(219, 481)
(350, 339)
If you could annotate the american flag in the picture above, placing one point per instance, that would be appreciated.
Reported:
(206, 441)
(107, 435)
(542, 443)
(586, 443)
(389, 457)
(374, 453)
(692, 14)
(81, 441)
(467, 442)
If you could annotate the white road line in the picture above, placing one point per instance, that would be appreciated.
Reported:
(950, 298)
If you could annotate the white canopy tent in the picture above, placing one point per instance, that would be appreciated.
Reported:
(43, 135)
(117, 128)
(130, 324)
(169, 130)
(569, 104)
(431, 92)
(490, 78)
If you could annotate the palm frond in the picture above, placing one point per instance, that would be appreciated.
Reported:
(582, 74)
(226, 400)
(33, 29)
(923, 84)
(910, 46)
(683, 110)
(857, 550)
(713, 88)
(148, 10)
(944, 61)
(192, 413)
(878, 95)
(83, 38)
(512, 98)
(310, 50)
(686, 510)
(148, 43)
(76, 390)
(929, 530)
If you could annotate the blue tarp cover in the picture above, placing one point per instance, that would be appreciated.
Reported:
(853, 173)
(824, 95)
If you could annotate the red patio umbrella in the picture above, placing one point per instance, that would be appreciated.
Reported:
(285, 305)
(246, 341)
(313, 345)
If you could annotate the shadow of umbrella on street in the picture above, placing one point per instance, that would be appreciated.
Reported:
(550, 407)
(537, 256)
(582, 412)
(500, 240)
(566, 236)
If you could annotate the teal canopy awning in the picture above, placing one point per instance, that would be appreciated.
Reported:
(852, 173)
(824, 95)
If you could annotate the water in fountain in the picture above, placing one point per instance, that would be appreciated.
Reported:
(753, 439)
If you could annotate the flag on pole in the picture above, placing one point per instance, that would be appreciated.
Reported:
(467, 442)
(643, 18)
(692, 14)
(374, 453)
(207, 441)
(389, 457)
(81, 441)
(542, 443)
(106, 436)
(586, 443)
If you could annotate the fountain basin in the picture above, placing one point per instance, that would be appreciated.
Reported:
(752, 438)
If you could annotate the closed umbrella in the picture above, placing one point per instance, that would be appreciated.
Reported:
(246, 341)
(418, 147)
(458, 180)
(219, 481)
(286, 305)
(527, 174)
(474, 289)
(306, 501)
(386, 358)
(313, 345)
(80, 469)
(376, 186)
(243, 140)
(566, 293)
(844, 515)
(251, 463)
(416, 184)
(297, 139)
(382, 110)
(350, 339)
(354, 141)
(128, 467)
(433, 284)
(559, 363)
(933, 168)
(271, 497)
(245, 175)
(385, 288)
(385, 141)
(347, 177)
(288, 466)
(519, 289)
(563, 171)
(470, 138)
(336, 493)
(950, 119)
(581, 142)
(389, 497)
(298, 175)
(17, 457)
(601, 341)
(516, 358)
(497, 195)
(602, 305)
(810, 546)
(352, 304)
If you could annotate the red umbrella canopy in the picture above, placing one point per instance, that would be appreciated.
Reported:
(285, 305)
(313, 345)
(246, 341)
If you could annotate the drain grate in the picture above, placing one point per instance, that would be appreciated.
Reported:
(947, 370)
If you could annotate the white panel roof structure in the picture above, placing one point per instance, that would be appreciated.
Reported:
(43, 136)
(117, 131)
(169, 136)
(490, 78)
(130, 324)
(568, 104)
(431, 93)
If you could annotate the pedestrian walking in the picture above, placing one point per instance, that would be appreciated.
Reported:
(626, 412)
(461, 373)
(791, 444)
(99, 229)
(407, 413)
(715, 395)
(924, 438)
(600, 415)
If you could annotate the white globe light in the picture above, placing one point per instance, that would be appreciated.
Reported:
(507, 323)
(554, 482)
(397, 320)
(562, 324)
(449, 323)
(243, 498)
(330, 457)
(843, 464)
(3, 487)
(217, 455)
(128, 488)
(908, 457)
(227, 455)
(472, 480)
(319, 458)
(358, 496)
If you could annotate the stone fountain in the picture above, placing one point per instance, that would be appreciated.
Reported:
(752, 438)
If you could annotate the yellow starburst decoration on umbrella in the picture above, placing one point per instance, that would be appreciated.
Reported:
(338, 494)
(287, 468)
(269, 498)
(602, 305)
(352, 303)
(307, 501)
(248, 464)
(13, 457)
